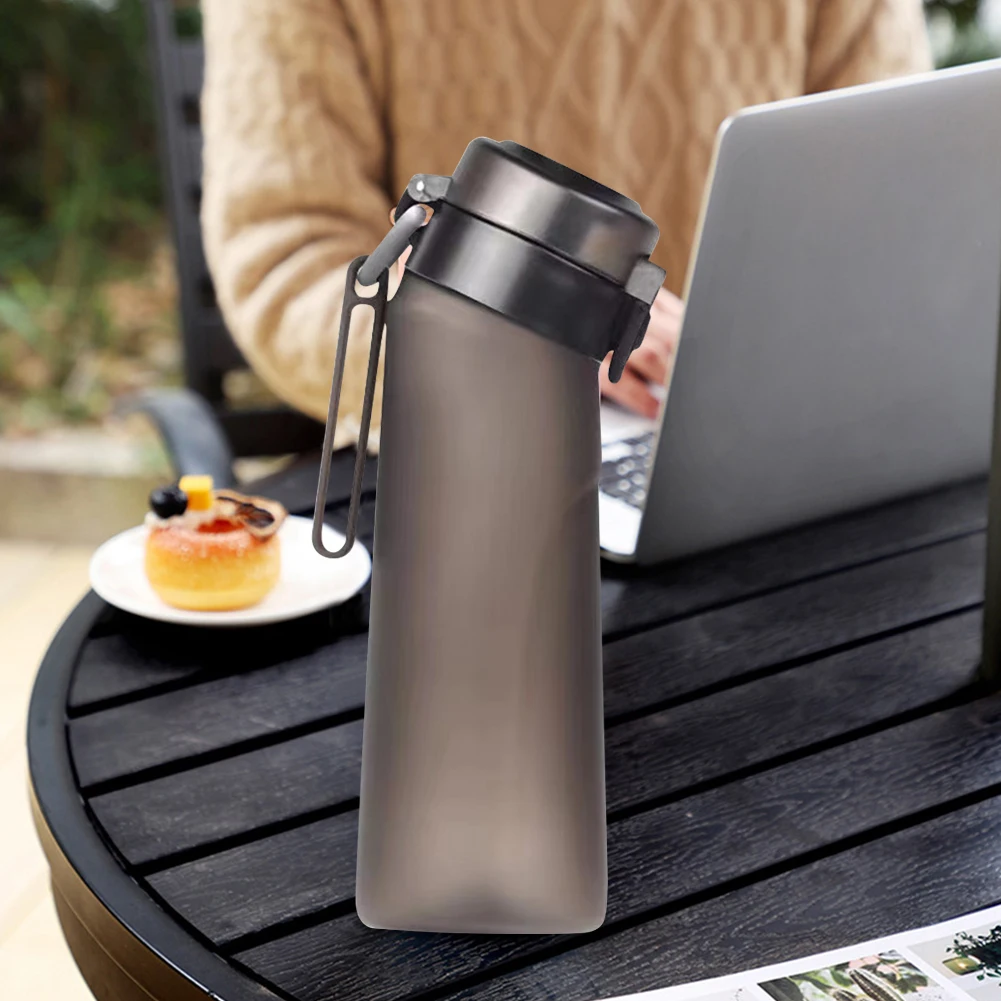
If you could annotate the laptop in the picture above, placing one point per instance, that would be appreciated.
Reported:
(841, 321)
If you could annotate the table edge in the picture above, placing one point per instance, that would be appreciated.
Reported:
(116, 912)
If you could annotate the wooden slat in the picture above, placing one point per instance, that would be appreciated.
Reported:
(634, 599)
(732, 729)
(658, 855)
(791, 623)
(255, 886)
(640, 671)
(130, 656)
(687, 847)
(929, 872)
(703, 741)
(238, 794)
(110, 669)
(183, 724)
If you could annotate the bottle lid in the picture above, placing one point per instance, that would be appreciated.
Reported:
(550, 248)
(570, 214)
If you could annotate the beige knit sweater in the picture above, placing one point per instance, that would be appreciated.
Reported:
(317, 113)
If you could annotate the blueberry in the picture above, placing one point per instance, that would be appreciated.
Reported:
(168, 501)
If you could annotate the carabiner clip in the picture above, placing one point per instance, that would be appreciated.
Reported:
(368, 271)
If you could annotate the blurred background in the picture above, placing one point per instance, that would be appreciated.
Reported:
(88, 295)
(86, 290)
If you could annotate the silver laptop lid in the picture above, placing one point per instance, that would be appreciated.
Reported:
(842, 312)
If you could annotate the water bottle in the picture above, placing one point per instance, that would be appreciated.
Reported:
(482, 792)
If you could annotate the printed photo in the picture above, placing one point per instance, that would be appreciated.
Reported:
(971, 960)
(886, 976)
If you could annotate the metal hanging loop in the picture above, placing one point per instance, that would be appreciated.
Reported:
(370, 270)
(378, 304)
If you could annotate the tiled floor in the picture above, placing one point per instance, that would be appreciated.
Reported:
(39, 584)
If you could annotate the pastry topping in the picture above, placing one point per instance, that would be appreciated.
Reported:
(193, 504)
(218, 526)
(166, 502)
(199, 492)
(258, 515)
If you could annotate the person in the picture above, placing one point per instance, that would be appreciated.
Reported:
(316, 113)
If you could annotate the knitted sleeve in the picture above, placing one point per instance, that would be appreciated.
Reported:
(857, 41)
(294, 188)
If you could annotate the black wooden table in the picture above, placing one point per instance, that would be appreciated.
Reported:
(797, 758)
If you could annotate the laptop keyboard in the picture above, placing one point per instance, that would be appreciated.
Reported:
(625, 469)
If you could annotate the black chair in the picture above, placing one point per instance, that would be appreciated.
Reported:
(202, 433)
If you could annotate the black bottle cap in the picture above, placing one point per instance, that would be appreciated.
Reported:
(545, 246)
(564, 211)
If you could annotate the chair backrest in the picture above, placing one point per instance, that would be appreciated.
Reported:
(209, 351)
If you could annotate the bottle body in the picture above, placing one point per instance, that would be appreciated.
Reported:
(482, 801)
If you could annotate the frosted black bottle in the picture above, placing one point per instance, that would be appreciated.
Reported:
(482, 793)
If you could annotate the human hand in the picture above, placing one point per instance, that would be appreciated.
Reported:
(651, 363)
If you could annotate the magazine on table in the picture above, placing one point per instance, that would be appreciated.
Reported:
(957, 960)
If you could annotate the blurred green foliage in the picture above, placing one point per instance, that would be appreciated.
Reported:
(188, 19)
(958, 33)
(80, 202)
(76, 127)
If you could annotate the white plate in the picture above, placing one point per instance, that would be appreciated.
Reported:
(308, 581)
